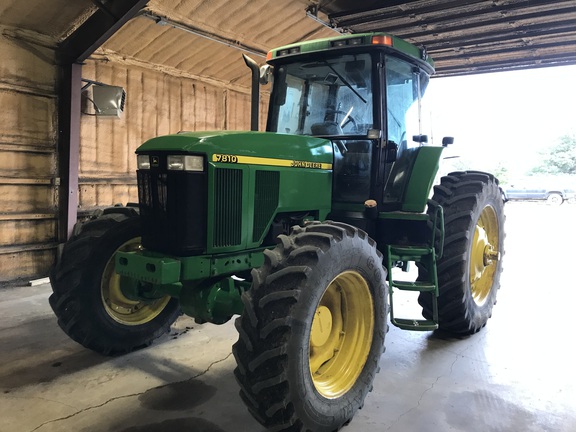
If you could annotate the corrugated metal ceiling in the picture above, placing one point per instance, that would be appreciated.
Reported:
(470, 36)
(463, 36)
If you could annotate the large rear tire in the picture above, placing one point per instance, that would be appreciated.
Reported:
(86, 296)
(469, 270)
(312, 331)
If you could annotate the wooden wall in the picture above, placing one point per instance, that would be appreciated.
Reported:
(159, 101)
(27, 156)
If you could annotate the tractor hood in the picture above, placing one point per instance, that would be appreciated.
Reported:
(232, 144)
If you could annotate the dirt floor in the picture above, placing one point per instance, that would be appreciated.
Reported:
(517, 374)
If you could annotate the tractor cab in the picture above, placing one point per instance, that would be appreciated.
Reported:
(363, 92)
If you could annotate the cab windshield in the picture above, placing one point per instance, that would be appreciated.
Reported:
(330, 97)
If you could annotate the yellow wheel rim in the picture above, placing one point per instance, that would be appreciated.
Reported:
(341, 334)
(484, 255)
(117, 305)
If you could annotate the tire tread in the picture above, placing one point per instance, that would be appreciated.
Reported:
(458, 193)
(71, 278)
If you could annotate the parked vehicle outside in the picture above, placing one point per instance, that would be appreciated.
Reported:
(554, 192)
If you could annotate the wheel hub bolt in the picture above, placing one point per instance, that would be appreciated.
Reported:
(490, 255)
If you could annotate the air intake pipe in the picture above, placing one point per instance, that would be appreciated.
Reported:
(255, 96)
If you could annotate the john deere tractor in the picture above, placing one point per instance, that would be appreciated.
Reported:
(297, 231)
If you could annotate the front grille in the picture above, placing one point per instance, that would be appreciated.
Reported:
(265, 201)
(153, 193)
(227, 207)
(173, 211)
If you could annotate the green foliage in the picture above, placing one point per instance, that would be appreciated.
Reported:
(559, 159)
(501, 172)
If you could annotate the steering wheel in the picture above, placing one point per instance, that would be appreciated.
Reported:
(349, 119)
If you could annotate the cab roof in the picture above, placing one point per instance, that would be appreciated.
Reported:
(350, 42)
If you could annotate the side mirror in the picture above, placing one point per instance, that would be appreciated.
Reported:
(280, 90)
(265, 74)
(446, 141)
(420, 138)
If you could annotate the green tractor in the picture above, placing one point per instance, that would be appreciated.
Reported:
(297, 231)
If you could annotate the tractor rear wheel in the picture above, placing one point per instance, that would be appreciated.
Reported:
(469, 270)
(87, 298)
(312, 331)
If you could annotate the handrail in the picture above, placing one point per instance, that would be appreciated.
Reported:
(437, 224)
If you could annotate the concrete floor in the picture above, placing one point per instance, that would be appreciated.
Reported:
(515, 375)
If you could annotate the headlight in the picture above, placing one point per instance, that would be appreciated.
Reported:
(143, 162)
(185, 163)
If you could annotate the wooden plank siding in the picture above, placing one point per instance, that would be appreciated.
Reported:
(159, 101)
(27, 158)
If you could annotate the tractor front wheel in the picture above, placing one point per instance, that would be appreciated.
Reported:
(87, 298)
(469, 270)
(312, 331)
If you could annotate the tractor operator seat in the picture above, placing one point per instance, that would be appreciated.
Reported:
(326, 128)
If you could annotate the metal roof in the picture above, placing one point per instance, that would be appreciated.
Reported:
(469, 36)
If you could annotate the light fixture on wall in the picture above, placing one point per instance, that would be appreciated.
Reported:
(107, 100)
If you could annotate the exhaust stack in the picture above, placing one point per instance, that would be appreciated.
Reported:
(255, 96)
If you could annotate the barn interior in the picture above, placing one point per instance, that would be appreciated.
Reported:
(179, 65)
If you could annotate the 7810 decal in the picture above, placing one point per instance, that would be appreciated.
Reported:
(252, 160)
(225, 158)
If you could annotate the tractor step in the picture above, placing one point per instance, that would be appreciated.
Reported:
(427, 257)
(414, 286)
(413, 324)
(409, 253)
